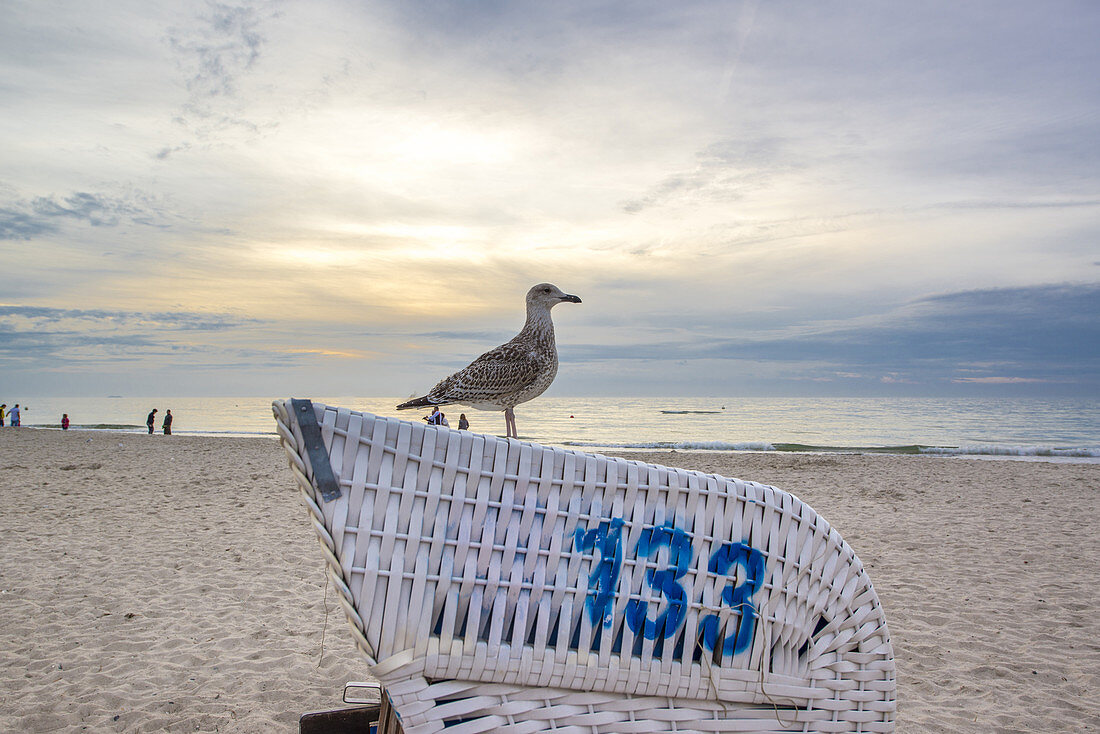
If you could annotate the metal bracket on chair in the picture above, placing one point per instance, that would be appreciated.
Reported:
(323, 478)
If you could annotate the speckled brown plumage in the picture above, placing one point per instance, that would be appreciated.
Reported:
(513, 373)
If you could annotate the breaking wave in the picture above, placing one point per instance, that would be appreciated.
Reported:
(1077, 453)
(679, 445)
(981, 450)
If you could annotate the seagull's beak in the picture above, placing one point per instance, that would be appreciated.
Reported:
(570, 299)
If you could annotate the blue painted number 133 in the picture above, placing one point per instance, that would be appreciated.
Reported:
(606, 539)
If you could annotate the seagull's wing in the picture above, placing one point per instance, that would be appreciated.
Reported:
(498, 373)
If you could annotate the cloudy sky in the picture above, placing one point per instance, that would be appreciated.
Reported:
(351, 197)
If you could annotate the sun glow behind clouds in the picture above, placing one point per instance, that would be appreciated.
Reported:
(396, 149)
(317, 257)
(432, 144)
(416, 241)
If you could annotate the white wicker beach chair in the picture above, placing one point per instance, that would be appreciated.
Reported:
(498, 585)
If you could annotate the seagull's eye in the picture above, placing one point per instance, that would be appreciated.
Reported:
(545, 290)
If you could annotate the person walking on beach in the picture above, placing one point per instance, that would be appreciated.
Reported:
(463, 424)
(151, 420)
(14, 413)
(434, 418)
(3, 412)
(443, 420)
(167, 423)
(64, 421)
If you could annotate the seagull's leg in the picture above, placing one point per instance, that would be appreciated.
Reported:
(510, 423)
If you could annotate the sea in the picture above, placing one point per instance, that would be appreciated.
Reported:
(1020, 428)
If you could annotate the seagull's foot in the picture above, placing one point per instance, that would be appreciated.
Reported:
(510, 424)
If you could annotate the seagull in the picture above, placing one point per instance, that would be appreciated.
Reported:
(513, 373)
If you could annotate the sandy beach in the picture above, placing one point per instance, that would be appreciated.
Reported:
(152, 583)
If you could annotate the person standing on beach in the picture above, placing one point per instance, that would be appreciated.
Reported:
(151, 420)
(463, 424)
(167, 423)
(64, 421)
(3, 412)
(14, 413)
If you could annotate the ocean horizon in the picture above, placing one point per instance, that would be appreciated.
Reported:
(1037, 428)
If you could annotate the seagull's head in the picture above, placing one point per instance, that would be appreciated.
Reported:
(546, 295)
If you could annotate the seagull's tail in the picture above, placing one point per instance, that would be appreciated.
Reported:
(417, 403)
